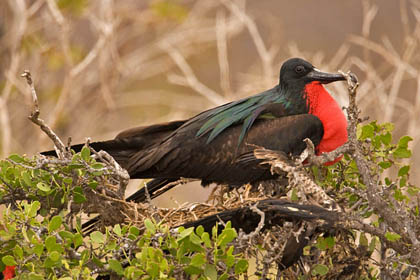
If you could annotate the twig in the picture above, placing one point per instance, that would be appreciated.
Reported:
(123, 176)
(190, 77)
(265, 55)
(297, 175)
(34, 117)
(261, 224)
(222, 53)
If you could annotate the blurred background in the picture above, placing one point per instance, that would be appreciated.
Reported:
(101, 66)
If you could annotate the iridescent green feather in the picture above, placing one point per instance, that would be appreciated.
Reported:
(228, 111)
(245, 110)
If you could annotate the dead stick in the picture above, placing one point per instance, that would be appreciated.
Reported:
(34, 117)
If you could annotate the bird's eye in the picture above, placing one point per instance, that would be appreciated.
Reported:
(300, 69)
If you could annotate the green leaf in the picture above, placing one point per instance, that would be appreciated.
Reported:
(412, 191)
(398, 195)
(117, 230)
(164, 266)
(18, 251)
(363, 240)
(210, 272)
(66, 234)
(372, 244)
(367, 132)
(116, 266)
(93, 184)
(50, 243)
(34, 207)
(386, 138)
(403, 181)
(401, 152)
(134, 231)
(193, 270)
(226, 236)
(55, 223)
(321, 243)
(9, 260)
(97, 237)
(34, 276)
(85, 153)
(224, 276)
(389, 127)
(199, 230)
(150, 226)
(385, 164)
(206, 239)
(294, 196)
(319, 269)
(54, 256)
(403, 142)
(111, 245)
(153, 270)
(403, 170)
(198, 260)
(391, 236)
(241, 266)
(68, 180)
(214, 231)
(97, 165)
(77, 240)
(84, 257)
(195, 239)
(185, 233)
(27, 178)
(330, 242)
(38, 249)
(79, 198)
(16, 158)
(78, 195)
(230, 261)
(43, 187)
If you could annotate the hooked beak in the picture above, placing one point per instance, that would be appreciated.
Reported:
(323, 77)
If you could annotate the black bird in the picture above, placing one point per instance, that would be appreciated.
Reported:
(217, 145)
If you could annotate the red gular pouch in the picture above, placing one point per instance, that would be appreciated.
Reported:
(322, 105)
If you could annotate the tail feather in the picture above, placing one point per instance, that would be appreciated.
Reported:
(120, 149)
(130, 142)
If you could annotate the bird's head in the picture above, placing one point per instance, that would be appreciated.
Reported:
(296, 73)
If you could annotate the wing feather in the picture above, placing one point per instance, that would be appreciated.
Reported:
(245, 111)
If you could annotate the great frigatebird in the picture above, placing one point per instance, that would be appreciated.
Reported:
(217, 145)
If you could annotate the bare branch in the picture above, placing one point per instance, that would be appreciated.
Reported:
(190, 77)
(34, 117)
